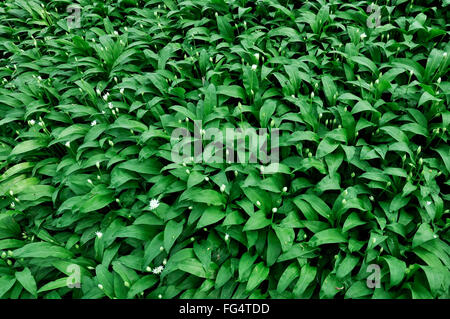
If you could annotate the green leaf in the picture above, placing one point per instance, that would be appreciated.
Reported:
(266, 112)
(257, 221)
(225, 28)
(192, 266)
(28, 146)
(105, 278)
(210, 216)
(55, 284)
(171, 233)
(26, 279)
(328, 236)
(42, 250)
(144, 283)
(307, 275)
(224, 275)
(6, 282)
(423, 234)
(329, 89)
(397, 269)
(288, 276)
(346, 266)
(326, 146)
(207, 196)
(257, 276)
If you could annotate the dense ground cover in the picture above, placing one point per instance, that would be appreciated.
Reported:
(92, 204)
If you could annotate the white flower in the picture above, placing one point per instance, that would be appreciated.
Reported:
(227, 237)
(160, 296)
(105, 97)
(444, 54)
(222, 188)
(32, 122)
(158, 270)
(67, 144)
(274, 210)
(116, 33)
(110, 105)
(363, 35)
(154, 203)
(428, 203)
(13, 205)
(89, 181)
(98, 92)
(257, 56)
(99, 234)
(122, 90)
(93, 123)
(254, 66)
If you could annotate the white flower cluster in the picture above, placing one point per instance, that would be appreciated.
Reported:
(158, 270)
(154, 203)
